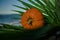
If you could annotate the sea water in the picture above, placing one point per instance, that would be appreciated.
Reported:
(12, 19)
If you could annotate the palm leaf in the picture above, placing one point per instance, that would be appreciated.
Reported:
(48, 7)
(20, 12)
(26, 4)
(45, 7)
(57, 10)
(20, 7)
(36, 5)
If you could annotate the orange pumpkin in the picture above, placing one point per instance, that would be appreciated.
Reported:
(32, 19)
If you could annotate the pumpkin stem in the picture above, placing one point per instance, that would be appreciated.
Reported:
(30, 21)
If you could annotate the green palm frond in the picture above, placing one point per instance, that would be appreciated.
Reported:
(20, 12)
(45, 6)
(20, 7)
(26, 4)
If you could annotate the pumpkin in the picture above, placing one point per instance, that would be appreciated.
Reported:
(32, 19)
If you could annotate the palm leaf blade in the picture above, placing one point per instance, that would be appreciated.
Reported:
(20, 12)
(20, 7)
(32, 2)
(26, 4)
